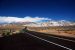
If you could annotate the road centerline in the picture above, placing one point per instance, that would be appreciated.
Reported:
(48, 41)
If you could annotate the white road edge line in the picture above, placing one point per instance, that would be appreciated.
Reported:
(62, 38)
(49, 41)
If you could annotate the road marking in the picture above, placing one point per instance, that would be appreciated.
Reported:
(49, 41)
(62, 38)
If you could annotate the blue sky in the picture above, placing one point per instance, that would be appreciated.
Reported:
(53, 9)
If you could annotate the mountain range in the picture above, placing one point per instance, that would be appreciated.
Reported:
(43, 24)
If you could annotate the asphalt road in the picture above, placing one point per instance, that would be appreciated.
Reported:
(30, 40)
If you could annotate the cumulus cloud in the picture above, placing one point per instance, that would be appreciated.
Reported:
(11, 19)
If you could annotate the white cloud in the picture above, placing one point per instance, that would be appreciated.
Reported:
(10, 19)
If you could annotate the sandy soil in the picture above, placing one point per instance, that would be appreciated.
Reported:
(61, 33)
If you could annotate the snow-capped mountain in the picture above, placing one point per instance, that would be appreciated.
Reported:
(50, 23)
(58, 23)
(43, 24)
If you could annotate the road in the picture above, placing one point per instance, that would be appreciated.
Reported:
(30, 40)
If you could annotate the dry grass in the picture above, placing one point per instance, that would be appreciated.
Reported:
(62, 31)
(10, 28)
